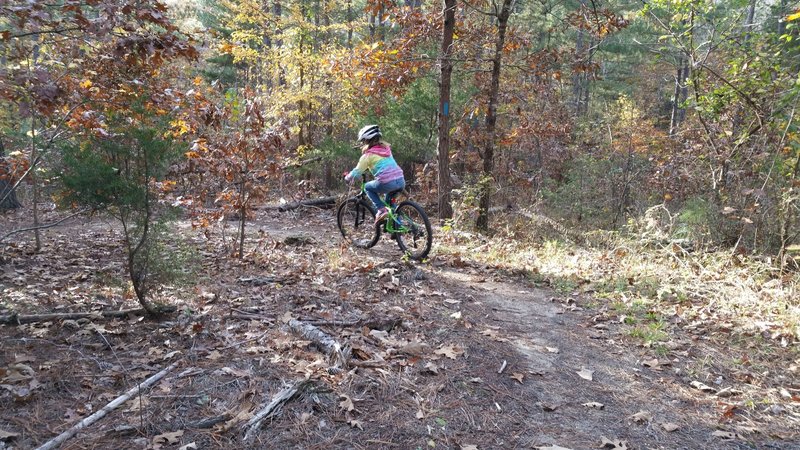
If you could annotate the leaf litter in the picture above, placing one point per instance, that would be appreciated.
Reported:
(239, 351)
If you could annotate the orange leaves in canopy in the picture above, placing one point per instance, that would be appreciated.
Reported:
(599, 22)
(391, 65)
(232, 148)
(13, 166)
(106, 48)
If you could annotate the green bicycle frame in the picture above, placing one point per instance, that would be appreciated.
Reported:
(391, 218)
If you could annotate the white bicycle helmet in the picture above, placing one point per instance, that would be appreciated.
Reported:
(368, 133)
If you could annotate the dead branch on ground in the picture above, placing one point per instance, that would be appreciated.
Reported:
(323, 202)
(65, 436)
(19, 319)
(273, 407)
(337, 355)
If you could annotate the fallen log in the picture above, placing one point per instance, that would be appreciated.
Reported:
(19, 319)
(321, 339)
(260, 281)
(273, 407)
(65, 436)
(324, 202)
(380, 323)
(210, 422)
(337, 356)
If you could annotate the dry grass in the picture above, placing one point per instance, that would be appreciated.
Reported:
(747, 294)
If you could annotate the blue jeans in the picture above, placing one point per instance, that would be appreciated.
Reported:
(374, 188)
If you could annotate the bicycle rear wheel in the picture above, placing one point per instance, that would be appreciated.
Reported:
(356, 221)
(414, 234)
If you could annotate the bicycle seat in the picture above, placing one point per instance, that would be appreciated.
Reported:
(392, 194)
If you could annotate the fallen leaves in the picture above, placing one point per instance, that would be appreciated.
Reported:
(642, 416)
(431, 367)
(232, 371)
(17, 372)
(450, 351)
(7, 435)
(494, 335)
(728, 392)
(670, 427)
(168, 438)
(586, 374)
(594, 405)
(347, 403)
(702, 387)
(616, 444)
(652, 363)
(517, 376)
(21, 379)
(726, 435)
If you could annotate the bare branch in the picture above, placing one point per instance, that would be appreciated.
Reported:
(40, 32)
(41, 227)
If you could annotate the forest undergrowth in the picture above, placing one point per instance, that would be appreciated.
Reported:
(650, 283)
(492, 343)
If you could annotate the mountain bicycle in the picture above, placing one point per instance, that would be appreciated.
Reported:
(407, 223)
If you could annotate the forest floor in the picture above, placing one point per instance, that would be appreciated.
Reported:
(452, 353)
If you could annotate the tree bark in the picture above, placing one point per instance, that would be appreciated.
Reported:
(443, 151)
(35, 187)
(349, 18)
(491, 118)
(783, 8)
(278, 12)
(17, 319)
(679, 96)
(8, 195)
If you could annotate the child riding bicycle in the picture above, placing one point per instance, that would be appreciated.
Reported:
(376, 156)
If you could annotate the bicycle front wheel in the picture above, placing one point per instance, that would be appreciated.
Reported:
(413, 230)
(356, 221)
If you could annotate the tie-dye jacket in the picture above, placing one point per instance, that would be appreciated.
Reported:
(379, 161)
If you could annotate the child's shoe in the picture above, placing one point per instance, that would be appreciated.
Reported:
(382, 213)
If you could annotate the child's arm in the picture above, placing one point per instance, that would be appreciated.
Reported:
(363, 166)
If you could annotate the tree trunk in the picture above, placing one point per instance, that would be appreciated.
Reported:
(278, 12)
(35, 187)
(783, 10)
(382, 23)
(445, 186)
(584, 53)
(679, 96)
(747, 28)
(8, 195)
(491, 119)
(577, 78)
(349, 24)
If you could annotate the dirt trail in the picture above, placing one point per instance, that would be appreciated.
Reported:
(480, 360)
(556, 340)
(633, 399)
